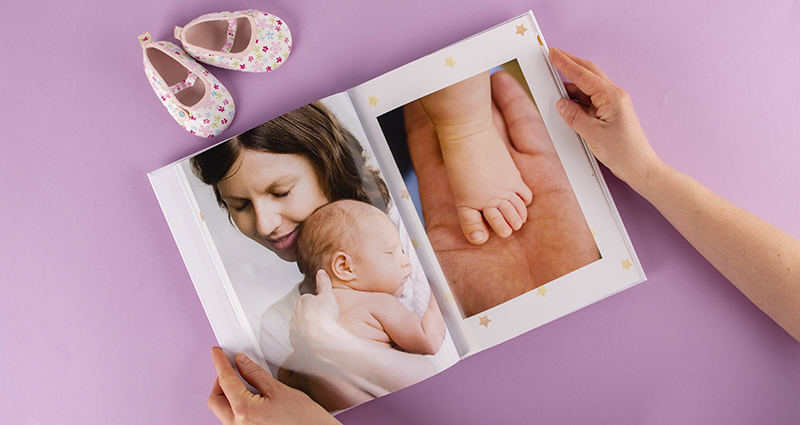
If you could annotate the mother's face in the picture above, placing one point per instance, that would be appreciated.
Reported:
(269, 195)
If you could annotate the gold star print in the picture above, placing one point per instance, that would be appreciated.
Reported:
(627, 264)
(540, 40)
(373, 101)
(521, 29)
(593, 232)
(449, 61)
(201, 216)
(449, 297)
(484, 321)
(541, 290)
(415, 243)
(405, 194)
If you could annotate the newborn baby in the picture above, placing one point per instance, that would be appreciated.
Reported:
(360, 249)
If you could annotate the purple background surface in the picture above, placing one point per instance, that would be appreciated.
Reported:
(100, 323)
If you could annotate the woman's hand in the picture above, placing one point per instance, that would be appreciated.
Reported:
(314, 326)
(233, 404)
(603, 114)
(314, 332)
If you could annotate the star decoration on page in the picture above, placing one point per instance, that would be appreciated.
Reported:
(484, 321)
(594, 233)
(201, 216)
(627, 264)
(521, 29)
(541, 290)
(373, 100)
(449, 297)
(449, 62)
(415, 243)
(405, 194)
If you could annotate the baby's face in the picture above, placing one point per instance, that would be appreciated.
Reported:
(382, 265)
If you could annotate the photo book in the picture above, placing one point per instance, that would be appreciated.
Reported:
(448, 203)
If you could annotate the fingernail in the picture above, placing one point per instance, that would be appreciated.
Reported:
(476, 235)
(242, 358)
(561, 105)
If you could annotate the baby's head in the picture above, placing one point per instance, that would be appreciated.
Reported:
(357, 244)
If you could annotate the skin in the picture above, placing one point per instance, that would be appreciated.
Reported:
(555, 239)
(269, 195)
(367, 280)
(276, 404)
(759, 259)
(485, 182)
(367, 286)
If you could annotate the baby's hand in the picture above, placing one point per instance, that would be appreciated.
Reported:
(486, 184)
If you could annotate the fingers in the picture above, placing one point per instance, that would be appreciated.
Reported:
(256, 376)
(232, 387)
(522, 119)
(576, 94)
(576, 117)
(472, 225)
(584, 63)
(586, 76)
(323, 282)
(423, 145)
(219, 404)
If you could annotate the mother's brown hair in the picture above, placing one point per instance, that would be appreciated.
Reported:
(314, 133)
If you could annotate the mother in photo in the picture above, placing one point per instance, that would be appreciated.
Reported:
(269, 180)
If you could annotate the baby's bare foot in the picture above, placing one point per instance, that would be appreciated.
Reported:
(486, 185)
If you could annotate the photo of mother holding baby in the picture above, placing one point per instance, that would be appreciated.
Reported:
(270, 180)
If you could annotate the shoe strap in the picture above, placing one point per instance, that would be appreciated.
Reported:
(232, 24)
(185, 84)
(145, 38)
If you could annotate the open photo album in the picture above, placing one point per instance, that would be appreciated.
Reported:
(449, 205)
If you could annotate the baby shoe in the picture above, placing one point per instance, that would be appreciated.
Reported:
(248, 40)
(194, 97)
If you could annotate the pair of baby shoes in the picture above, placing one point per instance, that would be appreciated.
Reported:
(249, 41)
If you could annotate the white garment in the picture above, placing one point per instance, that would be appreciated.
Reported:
(274, 332)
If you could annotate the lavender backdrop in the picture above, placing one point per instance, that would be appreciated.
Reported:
(99, 321)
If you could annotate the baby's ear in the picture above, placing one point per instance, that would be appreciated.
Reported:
(342, 266)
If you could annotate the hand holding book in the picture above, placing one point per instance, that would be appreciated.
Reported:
(233, 403)
(761, 260)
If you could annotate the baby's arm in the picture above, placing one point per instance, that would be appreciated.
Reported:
(482, 175)
(405, 328)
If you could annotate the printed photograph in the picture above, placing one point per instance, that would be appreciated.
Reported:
(497, 205)
(299, 194)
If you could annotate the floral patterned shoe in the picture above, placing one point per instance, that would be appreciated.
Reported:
(248, 40)
(197, 100)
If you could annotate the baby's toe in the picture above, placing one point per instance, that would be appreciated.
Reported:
(498, 222)
(472, 225)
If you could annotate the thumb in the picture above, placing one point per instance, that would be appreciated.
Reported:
(323, 282)
(575, 117)
(256, 376)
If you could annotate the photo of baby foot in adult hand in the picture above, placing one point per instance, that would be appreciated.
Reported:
(485, 182)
